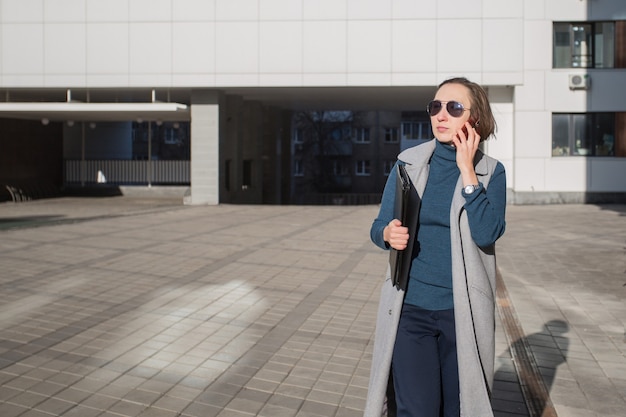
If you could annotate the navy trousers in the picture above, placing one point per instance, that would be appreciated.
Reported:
(424, 365)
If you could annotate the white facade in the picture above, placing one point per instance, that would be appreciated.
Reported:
(291, 54)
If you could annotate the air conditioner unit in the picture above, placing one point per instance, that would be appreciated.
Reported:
(579, 81)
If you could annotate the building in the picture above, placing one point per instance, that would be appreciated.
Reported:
(203, 93)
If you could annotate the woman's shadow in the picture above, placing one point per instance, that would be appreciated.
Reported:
(526, 371)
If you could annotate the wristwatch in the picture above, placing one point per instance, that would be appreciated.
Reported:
(468, 189)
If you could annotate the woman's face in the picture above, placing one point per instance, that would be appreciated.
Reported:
(444, 125)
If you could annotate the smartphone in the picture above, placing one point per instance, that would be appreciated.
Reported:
(472, 123)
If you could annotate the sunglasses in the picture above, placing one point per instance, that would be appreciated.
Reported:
(454, 108)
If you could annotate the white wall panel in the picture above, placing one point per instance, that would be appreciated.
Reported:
(533, 132)
(193, 47)
(534, 9)
(193, 80)
(25, 56)
(368, 79)
(193, 10)
(564, 10)
(324, 79)
(64, 10)
(502, 9)
(502, 45)
(459, 9)
(236, 10)
(559, 98)
(21, 11)
(64, 48)
(107, 11)
(280, 47)
(280, 9)
(502, 78)
(411, 49)
(566, 174)
(107, 48)
(501, 147)
(150, 10)
(537, 52)
(530, 95)
(325, 9)
(237, 80)
(150, 80)
(603, 95)
(151, 48)
(369, 46)
(369, 9)
(529, 175)
(65, 80)
(426, 78)
(414, 9)
(606, 10)
(324, 47)
(607, 174)
(107, 80)
(237, 47)
(460, 60)
(279, 80)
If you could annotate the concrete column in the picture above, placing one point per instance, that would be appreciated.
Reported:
(205, 156)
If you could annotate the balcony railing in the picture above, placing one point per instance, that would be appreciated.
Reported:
(128, 172)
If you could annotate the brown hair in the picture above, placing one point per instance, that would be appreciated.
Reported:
(480, 109)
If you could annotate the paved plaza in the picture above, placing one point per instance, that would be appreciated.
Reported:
(129, 307)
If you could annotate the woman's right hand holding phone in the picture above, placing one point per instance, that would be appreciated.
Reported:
(396, 235)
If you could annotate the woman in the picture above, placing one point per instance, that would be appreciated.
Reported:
(434, 346)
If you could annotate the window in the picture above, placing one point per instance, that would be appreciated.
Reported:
(298, 169)
(362, 168)
(583, 134)
(247, 174)
(361, 134)
(339, 167)
(416, 130)
(586, 45)
(298, 135)
(391, 134)
(388, 166)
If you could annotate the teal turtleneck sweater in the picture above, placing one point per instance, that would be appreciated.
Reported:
(430, 278)
(430, 281)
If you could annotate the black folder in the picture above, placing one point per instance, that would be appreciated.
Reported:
(406, 209)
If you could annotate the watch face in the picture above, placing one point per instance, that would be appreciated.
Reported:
(469, 189)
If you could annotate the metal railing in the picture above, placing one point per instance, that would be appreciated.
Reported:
(126, 172)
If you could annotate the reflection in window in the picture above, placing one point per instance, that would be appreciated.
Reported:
(583, 134)
(168, 140)
(416, 130)
(584, 45)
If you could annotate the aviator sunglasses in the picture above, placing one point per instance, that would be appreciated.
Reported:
(454, 108)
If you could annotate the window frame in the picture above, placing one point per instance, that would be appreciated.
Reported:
(362, 168)
(361, 134)
(392, 134)
(568, 51)
(584, 134)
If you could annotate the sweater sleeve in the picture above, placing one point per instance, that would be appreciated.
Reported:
(385, 213)
(486, 209)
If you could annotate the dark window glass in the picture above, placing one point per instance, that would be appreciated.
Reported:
(583, 134)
